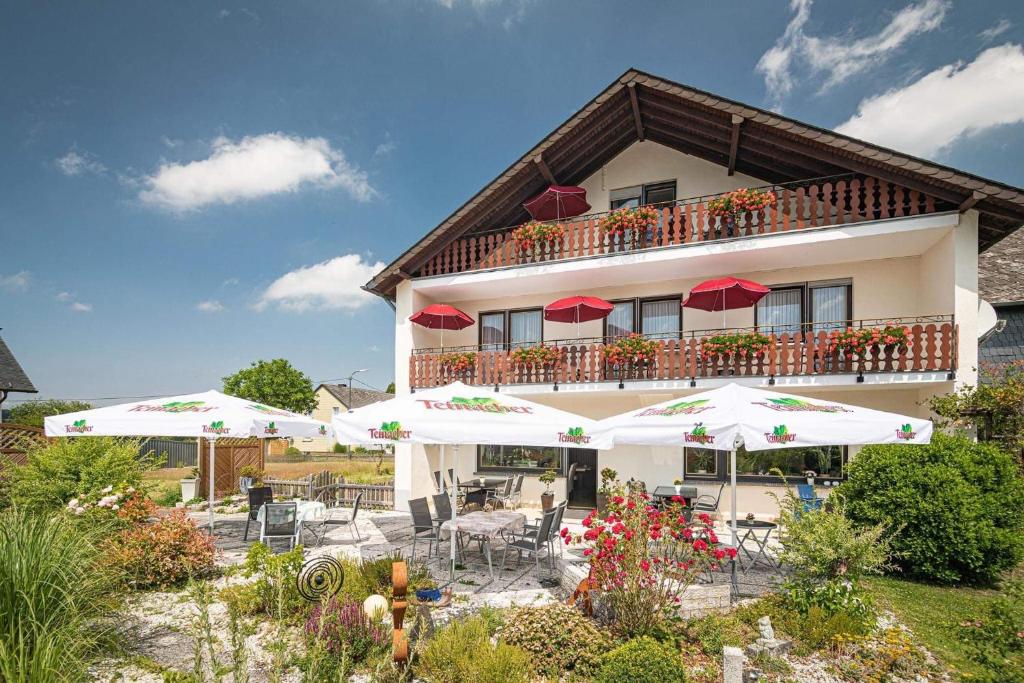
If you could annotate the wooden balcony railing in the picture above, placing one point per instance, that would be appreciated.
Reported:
(931, 347)
(818, 203)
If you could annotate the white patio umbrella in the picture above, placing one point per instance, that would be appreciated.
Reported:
(734, 415)
(457, 414)
(207, 415)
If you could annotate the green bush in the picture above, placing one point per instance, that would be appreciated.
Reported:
(995, 640)
(955, 508)
(340, 448)
(559, 639)
(462, 651)
(57, 601)
(271, 573)
(292, 450)
(716, 631)
(66, 468)
(641, 660)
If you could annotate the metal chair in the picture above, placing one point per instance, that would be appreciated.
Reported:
(438, 484)
(319, 527)
(517, 492)
(707, 502)
(503, 495)
(423, 527)
(443, 513)
(279, 521)
(809, 497)
(257, 498)
(553, 532)
(531, 541)
(570, 481)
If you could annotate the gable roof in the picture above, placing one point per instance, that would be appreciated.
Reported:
(1001, 271)
(639, 106)
(360, 397)
(1007, 344)
(12, 377)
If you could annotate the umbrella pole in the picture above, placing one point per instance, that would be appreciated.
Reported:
(213, 466)
(451, 493)
(732, 479)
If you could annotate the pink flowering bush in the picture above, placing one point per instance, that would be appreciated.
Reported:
(342, 628)
(642, 558)
(629, 220)
(863, 340)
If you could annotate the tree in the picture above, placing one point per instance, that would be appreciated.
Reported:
(390, 389)
(994, 408)
(31, 413)
(275, 383)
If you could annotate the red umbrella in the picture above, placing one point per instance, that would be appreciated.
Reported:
(725, 294)
(577, 309)
(441, 317)
(558, 201)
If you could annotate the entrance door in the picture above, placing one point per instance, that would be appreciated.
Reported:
(583, 487)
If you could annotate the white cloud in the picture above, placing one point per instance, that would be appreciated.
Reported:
(516, 9)
(18, 281)
(81, 307)
(385, 148)
(251, 168)
(171, 142)
(230, 282)
(997, 29)
(331, 285)
(64, 296)
(839, 57)
(210, 306)
(76, 163)
(950, 103)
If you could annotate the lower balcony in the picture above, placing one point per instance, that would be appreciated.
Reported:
(925, 344)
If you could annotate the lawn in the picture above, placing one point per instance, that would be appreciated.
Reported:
(933, 614)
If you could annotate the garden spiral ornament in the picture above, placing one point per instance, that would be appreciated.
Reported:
(320, 578)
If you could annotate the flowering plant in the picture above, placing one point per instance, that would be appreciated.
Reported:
(643, 558)
(126, 504)
(343, 629)
(530, 234)
(161, 553)
(536, 355)
(732, 204)
(633, 349)
(740, 344)
(457, 361)
(859, 341)
(620, 221)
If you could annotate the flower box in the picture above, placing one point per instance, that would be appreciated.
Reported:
(632, 221)
(531, 356)
(529, 236)
(732, 205)
(457, 362)
(861, 342)
(633, 350)
(742, 345)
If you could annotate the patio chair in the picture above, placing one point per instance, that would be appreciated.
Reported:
(423, 527)
(570, 481)
(517, 492)
(556, 527)
(438, 484)
(257, 497)
(707, 502)
(320, 527)
(280, 521)
(531, 541)
(443, 513)
(808, 497)
(501, 495)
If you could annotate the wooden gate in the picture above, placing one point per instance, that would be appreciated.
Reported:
(15, 440)
(232, 455)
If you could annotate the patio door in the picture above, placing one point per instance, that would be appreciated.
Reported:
(583, 488)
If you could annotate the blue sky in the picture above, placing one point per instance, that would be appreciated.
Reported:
(186, 187)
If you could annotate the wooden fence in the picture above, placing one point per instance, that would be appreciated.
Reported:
(232, 455)
(334, 490)
(15, 440)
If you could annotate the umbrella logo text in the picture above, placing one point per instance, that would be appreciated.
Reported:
(780, 434)
(906, 432)
(392, 431)
(174, 407)
(699, 434)
(573, 435)
(483, 404)
(271, 428)
(680, 408)
(78, 427)
(216, 427)
(796, 405)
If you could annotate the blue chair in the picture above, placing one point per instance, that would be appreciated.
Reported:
(808, 497)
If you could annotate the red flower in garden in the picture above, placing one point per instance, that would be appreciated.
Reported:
(700, 546)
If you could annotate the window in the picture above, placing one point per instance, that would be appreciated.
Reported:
(525, 458)
(701, 461)
(825, 461)
(492, 331)
(781, 310)
(660, 319)
(622, 320)
(651, 193)
(525, 328)
(336, 410)
(830, 307)
(815, 306)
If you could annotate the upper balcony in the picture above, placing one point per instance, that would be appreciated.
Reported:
(814, 204)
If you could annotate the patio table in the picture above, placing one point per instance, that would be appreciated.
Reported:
(305, 511)
(752, 529)
(476, 489)
(486, 526)
(687, 493)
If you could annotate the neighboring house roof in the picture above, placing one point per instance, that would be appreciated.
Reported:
(12, 377)
(640, 106)
(1001, 271)
(360, 397)
(1007, 345)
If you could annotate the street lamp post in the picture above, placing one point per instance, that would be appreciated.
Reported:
(349, 406)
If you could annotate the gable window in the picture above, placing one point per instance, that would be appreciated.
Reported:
(511, 329)
(812, 306)
(651, 193)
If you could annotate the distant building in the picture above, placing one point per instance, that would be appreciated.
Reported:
(1001, 283)
(332, 399)
(12, 377)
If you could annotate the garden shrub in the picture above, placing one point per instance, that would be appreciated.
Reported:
(271, 573)
(641, 660)
(342, 629)
(716, 631)
(375, 574)
(57, 472)
(955, 508)
(162, 553)
(462, 651)
(888, 656)
(340, 448)
(995, 640)
(57, 599)
(559, 639)
(292, 450)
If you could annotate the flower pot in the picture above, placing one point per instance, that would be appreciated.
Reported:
(244, 484)
(810, 480)
(679, 489)
(547, 500)
(189, 489)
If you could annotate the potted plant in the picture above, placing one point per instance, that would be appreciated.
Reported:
(457, 362)
(629, 222)
(547, 499)
(678, 483)
(529, 236)
(248, 477)
(731, 205)
(608, 479)
(702, 461)
(810, 474)
(190, 485)
(860, 342)
(530, 356)
(633, 351)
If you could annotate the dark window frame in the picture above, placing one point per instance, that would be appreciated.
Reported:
(481, 468)
(506, 332)
(806, 309)
(638, 303)
(722, 472)
(645, 189)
